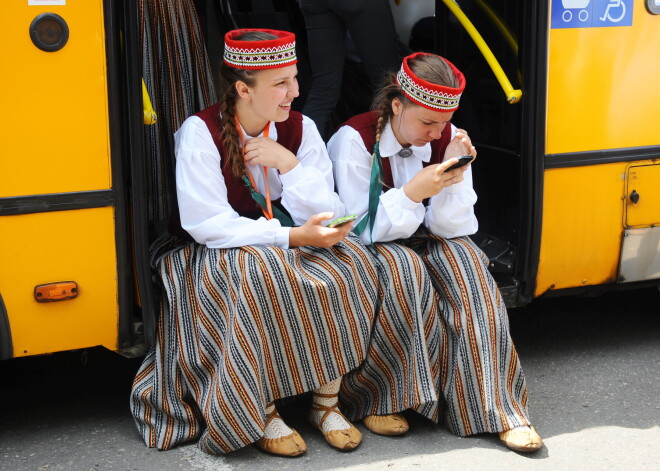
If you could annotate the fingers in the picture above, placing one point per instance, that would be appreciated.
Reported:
(262, 143)
(337, 234)
(345, 229)
(455, 178)
(255, 142)
(254, 148)
(442, 168)
(316, 219)
(464, 139)
(250, 158)
(449, 177)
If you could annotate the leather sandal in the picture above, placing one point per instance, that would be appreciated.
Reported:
(390, 424)
(288, 445)
(523, 439)
(345, 439)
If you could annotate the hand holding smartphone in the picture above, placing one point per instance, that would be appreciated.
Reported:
(462, 161)
(342, 220)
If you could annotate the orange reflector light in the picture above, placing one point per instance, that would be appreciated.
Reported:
(59, 291)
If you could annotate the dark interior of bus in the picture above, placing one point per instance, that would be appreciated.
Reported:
(509, 137)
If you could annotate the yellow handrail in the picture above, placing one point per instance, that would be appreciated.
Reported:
(512, 96)
(148, 110)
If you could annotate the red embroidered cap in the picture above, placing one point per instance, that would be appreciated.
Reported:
(427, 94)
(266, 54)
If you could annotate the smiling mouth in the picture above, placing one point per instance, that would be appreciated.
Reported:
(286, 105)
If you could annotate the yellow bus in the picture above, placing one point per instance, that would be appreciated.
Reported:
(568, 174)
(70, 185)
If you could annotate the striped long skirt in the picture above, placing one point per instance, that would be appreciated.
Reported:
(470, 371)
(242, 327)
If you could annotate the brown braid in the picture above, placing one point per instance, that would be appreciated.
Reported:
(228, 78)
(383, 103)
(384, 116)
(229, 133)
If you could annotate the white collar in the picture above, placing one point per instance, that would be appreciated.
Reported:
(389, 146)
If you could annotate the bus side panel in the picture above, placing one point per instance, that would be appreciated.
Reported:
(43, 248)
(54, 125)
(582, 226)
(603, 86)
(644, 181)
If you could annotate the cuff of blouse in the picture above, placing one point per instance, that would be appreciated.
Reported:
(292, 175)
(401, 199)
(282, 237)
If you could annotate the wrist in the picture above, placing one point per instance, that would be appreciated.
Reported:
(289, 164)
(296, 237)
(411, 193)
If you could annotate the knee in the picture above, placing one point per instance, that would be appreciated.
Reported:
(407, 263)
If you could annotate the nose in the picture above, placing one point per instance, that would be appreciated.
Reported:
(436, 130)
(294, 90)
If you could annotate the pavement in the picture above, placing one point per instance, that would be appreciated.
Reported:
(592, 367)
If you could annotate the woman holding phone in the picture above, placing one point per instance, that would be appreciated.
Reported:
(400, 168)
(268, 302)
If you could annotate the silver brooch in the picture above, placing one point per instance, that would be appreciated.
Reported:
(405, 152)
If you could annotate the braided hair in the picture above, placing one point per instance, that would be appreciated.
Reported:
(228, 78)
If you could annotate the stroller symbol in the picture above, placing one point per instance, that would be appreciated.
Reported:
(581, 5)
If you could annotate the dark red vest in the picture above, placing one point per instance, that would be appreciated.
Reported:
(289, 135)
(365, 125)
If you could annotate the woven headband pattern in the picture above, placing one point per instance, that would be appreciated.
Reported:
(266, 54)
(427, 94)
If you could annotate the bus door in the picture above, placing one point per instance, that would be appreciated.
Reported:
(508, 132)
(557, 170)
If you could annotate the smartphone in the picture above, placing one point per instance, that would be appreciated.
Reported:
(462, 161)
(342, 220)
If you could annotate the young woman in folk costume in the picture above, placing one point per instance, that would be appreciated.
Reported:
(391, 166)
(257, 310)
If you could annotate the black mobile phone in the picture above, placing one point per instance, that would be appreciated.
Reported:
(462, 161)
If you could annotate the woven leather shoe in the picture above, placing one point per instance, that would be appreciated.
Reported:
(345, 439)
(391, 424)
(523, 439)
(289, 445)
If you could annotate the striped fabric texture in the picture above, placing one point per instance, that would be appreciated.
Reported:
(398, 373)
(462, 349)
(484, 386)
(242, 327)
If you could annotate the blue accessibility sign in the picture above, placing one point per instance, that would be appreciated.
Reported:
(591, 13)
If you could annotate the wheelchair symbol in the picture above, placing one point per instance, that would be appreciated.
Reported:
(613, 5)
(569, 5)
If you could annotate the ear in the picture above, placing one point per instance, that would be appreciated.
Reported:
(243, 90)
(397, 106)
